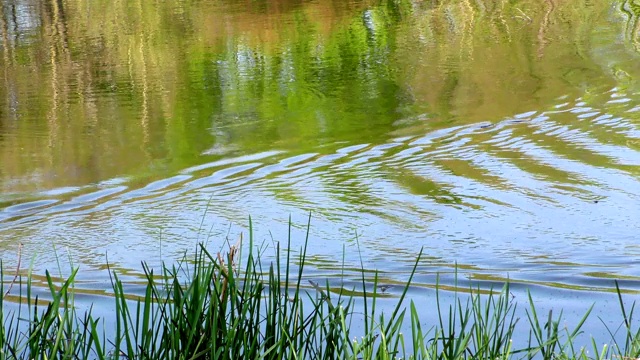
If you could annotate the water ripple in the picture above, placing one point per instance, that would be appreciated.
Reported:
(537, 197)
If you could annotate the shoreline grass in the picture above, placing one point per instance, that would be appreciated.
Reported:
(234, 307)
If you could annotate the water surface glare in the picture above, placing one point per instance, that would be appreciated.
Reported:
(503, 140)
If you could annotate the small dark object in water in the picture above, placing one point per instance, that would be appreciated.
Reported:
(384, 288)
(596, 201)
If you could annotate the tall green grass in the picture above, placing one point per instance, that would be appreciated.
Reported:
(230, 306)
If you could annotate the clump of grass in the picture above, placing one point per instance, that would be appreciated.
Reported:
(235, 307)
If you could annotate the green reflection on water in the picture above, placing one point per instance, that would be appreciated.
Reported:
(97, 90)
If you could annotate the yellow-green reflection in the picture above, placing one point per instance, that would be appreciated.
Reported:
(85, 83)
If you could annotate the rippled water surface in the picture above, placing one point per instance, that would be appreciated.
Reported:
(503, 137)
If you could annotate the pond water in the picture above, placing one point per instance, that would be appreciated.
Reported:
(501, 137)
